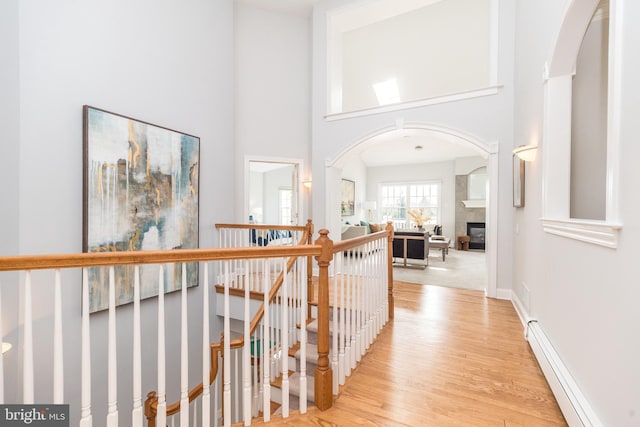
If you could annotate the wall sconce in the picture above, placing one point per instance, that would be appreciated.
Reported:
(526, 152)
(6, 346)
(307, 184)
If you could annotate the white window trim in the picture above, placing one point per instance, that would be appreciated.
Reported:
(557, 132)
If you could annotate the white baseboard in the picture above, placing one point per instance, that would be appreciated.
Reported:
(520, 309)
(575, 407)
(503, 293)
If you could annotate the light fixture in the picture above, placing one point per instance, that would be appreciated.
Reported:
(307, 184)
(6, 346)
(526, 152)
(418, 148)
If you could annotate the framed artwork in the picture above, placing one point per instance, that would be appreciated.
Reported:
(518, 182)
(348, 197)
(140, 192)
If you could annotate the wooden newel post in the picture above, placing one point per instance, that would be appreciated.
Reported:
(151, 408)
(323, 375)
(389, 228)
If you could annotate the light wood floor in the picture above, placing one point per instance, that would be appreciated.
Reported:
(451, 357)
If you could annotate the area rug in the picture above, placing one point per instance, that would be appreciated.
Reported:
(461, 269)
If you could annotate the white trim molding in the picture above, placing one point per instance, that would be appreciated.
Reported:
(475, 93)
(574, 406)
(594, 232)
(480, 203)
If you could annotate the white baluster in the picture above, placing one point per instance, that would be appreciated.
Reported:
(58, 367)
(303, 339)
(184, 352)
(137, 413)
(206, 354)
(334, 341)
(216, 398)
(226, 358)
(284, 304)
(246, 370)
(354, 313)
(1, 357)
(85, 399)
(112, 364)
(266, 343)
(236, 388)
(27, 376)
(161, 414)
(339, 329)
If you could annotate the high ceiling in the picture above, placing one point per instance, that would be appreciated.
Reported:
(411, 146)
(391, 148)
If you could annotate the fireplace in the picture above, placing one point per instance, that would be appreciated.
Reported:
(476, 232)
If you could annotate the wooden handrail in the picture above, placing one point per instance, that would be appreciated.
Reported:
(101, 259)
(264, 227)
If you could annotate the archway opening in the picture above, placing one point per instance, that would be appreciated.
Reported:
(424, 168)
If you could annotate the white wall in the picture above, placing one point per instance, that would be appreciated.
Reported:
(170, 64)
(487, 119)
(442, 172)
(435, 50)
(584, 296)
(589, 125)
(272, 83)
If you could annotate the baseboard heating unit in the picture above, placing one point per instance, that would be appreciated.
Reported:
(575, 408)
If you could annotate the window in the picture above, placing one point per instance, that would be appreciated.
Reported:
(284, 205)
(397, 199)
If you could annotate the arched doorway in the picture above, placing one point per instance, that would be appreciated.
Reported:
(447, 136)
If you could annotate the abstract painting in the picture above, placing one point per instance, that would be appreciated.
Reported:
(140, 192)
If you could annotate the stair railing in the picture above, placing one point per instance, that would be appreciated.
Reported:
(361, 297)
(94, 378)
(365, 314)
(244, 278)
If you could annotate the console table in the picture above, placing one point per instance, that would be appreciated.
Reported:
(440, 242)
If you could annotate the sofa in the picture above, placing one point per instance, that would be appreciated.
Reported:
(349, 231)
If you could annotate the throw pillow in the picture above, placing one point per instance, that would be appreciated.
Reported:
(366, 224)
(375, 227)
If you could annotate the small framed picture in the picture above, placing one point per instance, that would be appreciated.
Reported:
(518, 182)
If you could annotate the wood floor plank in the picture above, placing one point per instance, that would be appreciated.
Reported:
(450, 357)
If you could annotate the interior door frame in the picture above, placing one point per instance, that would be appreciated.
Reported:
(298, 166)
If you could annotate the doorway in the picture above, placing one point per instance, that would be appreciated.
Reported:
(272, 191)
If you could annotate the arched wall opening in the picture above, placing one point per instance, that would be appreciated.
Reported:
(485, 149)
